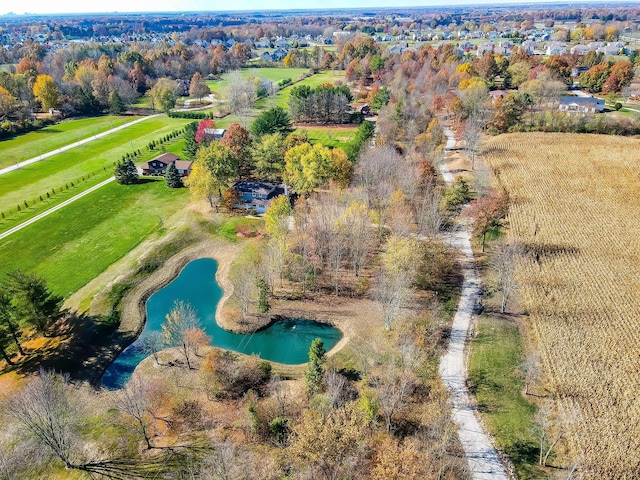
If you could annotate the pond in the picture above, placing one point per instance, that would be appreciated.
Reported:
(283, 342)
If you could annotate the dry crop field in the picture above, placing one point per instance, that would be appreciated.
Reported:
(576, 209)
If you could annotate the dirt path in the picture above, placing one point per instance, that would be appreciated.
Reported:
(73, 145)
(484, 461)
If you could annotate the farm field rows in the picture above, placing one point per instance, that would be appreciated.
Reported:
(574, 209)
(75, 244)
(39, 178)
(32, 144)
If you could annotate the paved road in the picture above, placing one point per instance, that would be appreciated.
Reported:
(73, 145)
(482, 457)
(55, 209)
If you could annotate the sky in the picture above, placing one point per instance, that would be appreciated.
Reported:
(77, 6)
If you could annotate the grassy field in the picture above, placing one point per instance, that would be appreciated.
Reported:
(75, 244)
(317, 79)
(98, 156)
(270, 73)
(573, 207)
(330, 136)
(32, 144)
(496, 357)
(36, 206)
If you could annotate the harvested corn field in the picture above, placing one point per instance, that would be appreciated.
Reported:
(575, 208)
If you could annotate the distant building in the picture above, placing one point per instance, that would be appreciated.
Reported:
(158, 165)
(257, 196)
(570, 103)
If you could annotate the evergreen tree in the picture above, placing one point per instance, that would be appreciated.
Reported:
(315, 369)
(116, 105)
(190, 144)
(275, 120)
(126, 172)
(263, 300)
(172, 177)
(31, 301)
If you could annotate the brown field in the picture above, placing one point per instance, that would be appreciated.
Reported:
(575, 209)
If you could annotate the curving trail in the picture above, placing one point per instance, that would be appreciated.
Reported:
(483, 459)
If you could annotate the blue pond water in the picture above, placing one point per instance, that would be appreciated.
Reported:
(284, 342)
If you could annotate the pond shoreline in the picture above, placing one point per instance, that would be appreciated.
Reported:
(134, 315)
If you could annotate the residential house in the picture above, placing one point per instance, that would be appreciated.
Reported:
(214, 133)
(529, 46)
(483, 48)
(569, 103)
(264, 42)
(267, 57)
(256, 195)
(158, 165)
(279, 54)
(579, 49)
(556, 48)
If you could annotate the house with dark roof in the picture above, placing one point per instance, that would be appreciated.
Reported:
(158, 166)
(256, 195)
(570, 103)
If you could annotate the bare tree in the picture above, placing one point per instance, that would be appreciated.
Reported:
(152, 344)
(359, 236)
(472, 136)
(183, 331)
(336, 390)
(390, 293)
(43, 409)
(278, 390)
(244, 288)
(135, 401)
(394, 385)
(531, 367)
(503, 262)
(428, 216)
(239, 93)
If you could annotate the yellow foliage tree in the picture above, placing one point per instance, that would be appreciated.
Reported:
(45, 91)
(7, 103)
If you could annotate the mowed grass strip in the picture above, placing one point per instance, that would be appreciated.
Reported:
(330, 136)
(32, 144)
(282, 98)
(77, 243)
(494, 362)
(98, 156)
(270, 73)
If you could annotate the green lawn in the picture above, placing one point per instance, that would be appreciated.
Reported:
(97, 157)
(75, 244)
(32, 144)
(36, 206)
(494, 362)
(313, 81)
(270, 73)
(330, 136)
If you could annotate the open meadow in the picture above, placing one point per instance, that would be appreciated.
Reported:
(275, 74)
(96, 157)
(32, 144)
(574, 209)
(75, 244)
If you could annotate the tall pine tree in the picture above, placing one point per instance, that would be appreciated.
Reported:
(172, 177)
(190, 144)
(315, 369)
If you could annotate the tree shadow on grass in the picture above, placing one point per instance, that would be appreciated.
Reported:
(84, 348)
